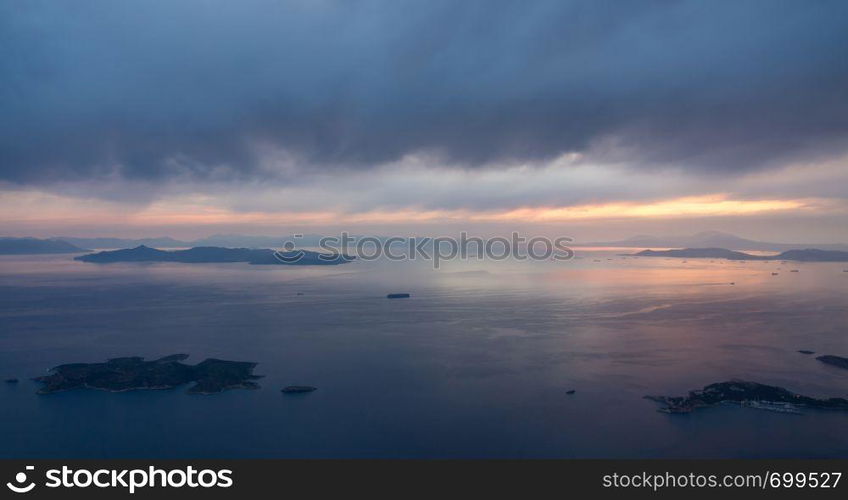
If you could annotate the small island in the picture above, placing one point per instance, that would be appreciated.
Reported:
(752, 394)
(134, 373)
(398, 296)
(836, 361)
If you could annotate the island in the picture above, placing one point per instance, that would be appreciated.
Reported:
(836, 361)
(134, 373)
(807, 255)
(745, 393)
(35, 246)
(398, 296)
(197, 255)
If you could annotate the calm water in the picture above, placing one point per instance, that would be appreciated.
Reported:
(476, 364)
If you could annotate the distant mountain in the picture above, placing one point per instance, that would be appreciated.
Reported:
(217, 240)
(22, 246)
(806, 255)
(706, 239)
(162, 242)
(241, 240)
(710, 239)
(197, 255)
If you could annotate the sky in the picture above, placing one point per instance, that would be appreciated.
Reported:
(594, 119)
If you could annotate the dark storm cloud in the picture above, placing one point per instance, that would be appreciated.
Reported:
(167, 88)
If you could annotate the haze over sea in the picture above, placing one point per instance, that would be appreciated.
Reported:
(476, 364)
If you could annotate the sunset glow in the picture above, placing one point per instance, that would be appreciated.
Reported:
(203, 210)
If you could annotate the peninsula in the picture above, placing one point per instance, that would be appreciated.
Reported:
(134, 373)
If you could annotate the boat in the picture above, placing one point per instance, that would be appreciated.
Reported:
(398, 296)
(793, 270)
(774, 274)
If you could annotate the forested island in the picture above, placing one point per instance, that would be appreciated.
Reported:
(134, 373)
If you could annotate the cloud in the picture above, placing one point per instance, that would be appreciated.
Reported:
(408, 190)
(161, 91)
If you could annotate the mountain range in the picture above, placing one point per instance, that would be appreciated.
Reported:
(71, 244)
(216, 240)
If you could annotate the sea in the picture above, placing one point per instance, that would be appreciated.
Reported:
(477, 363)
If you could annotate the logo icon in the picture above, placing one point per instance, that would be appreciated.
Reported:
(20, 479)
(289, 254)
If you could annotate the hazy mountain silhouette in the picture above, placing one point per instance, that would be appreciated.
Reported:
(160, 242)
(706, 239)
(22, 246)
(216, 240)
